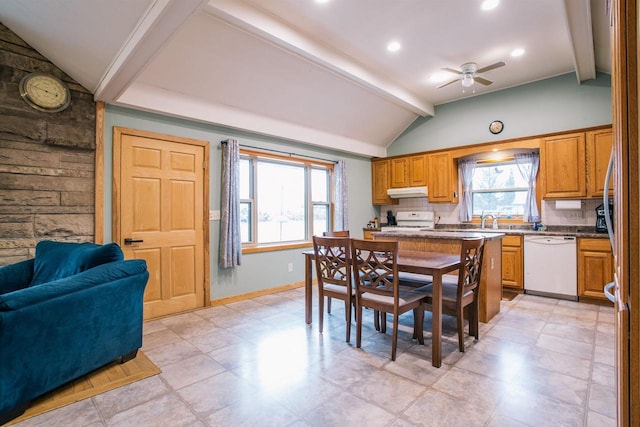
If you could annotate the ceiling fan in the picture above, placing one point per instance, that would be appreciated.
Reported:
(469, 74)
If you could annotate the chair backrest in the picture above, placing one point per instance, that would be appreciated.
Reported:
(333, 260)
(375, 266)
(471, 269)
(341, 233)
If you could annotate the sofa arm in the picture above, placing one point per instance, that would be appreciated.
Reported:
(16, 276)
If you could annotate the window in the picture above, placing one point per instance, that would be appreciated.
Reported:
(498, 188)
(283, 200)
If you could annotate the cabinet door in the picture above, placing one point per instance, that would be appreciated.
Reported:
(418, 170)
(443, 185)
(512, 265)
(599, 145)
(595, 268)
(563, 165)
(399, 172)
(380, 174)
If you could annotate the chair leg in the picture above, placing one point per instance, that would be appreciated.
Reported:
(129, 356)
(418, 327)
(383, 322)
(460, 316)
(359, 327)
(347, 311)
(329, 305)
(394, 344)
(474, 326)
(320, 309)
(376, 320)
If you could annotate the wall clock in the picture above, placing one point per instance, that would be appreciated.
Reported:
(496, 127)
(45, 92)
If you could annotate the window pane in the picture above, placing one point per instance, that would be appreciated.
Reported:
(281, 202)
(507, 203)
(320, 185)
(320, 219)
(245, 179)
(498, 176)
(245, 222)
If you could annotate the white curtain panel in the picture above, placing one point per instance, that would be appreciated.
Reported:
(340, 214)
(528, 164)
(230, 240)
(466, 169)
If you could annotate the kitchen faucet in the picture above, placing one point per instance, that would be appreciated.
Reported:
(495, 220)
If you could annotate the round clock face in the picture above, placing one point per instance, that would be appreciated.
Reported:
(45, 92)
(496, 126)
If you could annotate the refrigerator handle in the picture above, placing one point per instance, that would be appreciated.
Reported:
(605, 203)
(607, 292)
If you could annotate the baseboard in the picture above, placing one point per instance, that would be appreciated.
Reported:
(249, 295)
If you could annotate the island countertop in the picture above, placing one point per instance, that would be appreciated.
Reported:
(448, 235)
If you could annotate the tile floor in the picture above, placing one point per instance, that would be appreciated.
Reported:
(540, 362)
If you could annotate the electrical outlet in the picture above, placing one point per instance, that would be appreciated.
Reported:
(214, 215)
(290, 267)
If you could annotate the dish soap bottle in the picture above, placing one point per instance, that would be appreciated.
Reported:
(375, 222)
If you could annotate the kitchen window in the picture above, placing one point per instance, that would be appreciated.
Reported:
(283, 200)
(498, 188)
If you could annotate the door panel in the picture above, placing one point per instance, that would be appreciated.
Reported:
(161, 204)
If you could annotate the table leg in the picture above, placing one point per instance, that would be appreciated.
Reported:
(436, 322)
(308, 290)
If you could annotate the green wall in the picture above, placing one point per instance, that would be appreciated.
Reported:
(547, 106)
(261, 270)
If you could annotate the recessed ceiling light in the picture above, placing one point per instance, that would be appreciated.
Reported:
(490, 4)
(517, 52)
(394, 46)
(322, 1)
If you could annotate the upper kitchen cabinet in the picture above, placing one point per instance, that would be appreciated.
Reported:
(408, 171)
(381, 181)
(562, 163)
(442, 178)
(599, 143)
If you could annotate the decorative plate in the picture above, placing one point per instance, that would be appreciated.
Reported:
(496, 127)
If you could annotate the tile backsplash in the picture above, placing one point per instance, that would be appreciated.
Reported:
(448, 212)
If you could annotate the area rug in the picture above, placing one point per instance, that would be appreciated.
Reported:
(101, 380)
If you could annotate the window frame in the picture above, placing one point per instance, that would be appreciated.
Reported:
(486, 163)
(254, 157)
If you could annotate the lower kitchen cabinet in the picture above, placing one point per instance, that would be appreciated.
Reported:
(595, 268)
(512, 264)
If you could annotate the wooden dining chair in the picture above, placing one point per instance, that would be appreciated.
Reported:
(337, 233)
(461, 291)
(333, 268)
(376, 275)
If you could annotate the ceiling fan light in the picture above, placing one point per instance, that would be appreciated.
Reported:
(467, 80)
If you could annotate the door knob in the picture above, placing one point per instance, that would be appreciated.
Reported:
(130, 241)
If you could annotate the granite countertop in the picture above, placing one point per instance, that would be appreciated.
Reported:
(519, 230)
(444, 234)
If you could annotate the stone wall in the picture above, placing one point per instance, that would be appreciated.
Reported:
(46, 159)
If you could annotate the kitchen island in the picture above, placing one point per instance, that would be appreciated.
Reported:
(490, 292)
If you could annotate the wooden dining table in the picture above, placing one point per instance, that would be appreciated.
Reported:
(434, 264)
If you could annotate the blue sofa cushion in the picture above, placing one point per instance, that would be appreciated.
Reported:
(57, 260)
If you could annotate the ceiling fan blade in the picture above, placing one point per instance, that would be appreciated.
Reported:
(448, 83)
(491, 67)
(482, 81)
(451, 70)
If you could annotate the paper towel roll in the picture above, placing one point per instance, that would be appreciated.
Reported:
(568, 204)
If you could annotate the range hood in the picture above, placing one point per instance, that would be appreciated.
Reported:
(406, 192)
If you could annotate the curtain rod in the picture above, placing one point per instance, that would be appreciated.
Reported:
(285, 152)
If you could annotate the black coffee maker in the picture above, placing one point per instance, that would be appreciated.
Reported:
(601, 224)
(391, 219)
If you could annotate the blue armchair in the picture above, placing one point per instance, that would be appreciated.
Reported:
(72, 309)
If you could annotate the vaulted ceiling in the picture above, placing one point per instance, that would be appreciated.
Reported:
(313, 71)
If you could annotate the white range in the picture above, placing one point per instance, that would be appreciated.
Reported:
(412, 220)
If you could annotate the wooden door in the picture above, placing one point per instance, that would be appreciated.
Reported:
(418, 170)
(563, 166)
(442, 179)
(160, 195)
(595, 267)
(599, 143)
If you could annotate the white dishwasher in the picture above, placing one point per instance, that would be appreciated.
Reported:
(550, 266)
